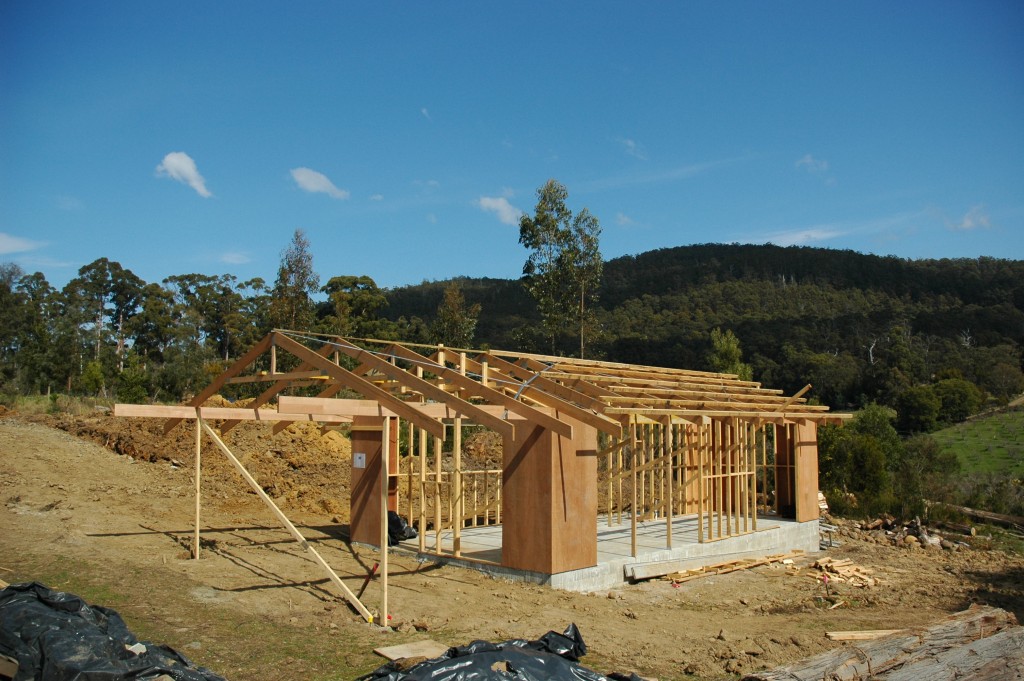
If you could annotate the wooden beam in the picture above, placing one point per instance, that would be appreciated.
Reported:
(213, 413)
(718, 414)
(476, 389)
(427, 389)
(286, 376)
(362, 386)
(233, 370)
(579, 406)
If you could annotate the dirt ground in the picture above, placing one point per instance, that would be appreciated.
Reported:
(104, 507)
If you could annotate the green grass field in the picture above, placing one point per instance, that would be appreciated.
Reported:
(989, 444)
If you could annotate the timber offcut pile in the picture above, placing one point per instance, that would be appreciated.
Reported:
(978, 644)
(845, 571)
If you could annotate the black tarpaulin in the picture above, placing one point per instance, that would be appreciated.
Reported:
(552, 657)
(56, 636)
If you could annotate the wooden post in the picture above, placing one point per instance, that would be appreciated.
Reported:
(633, 508)
(666, 448)
(438, 444)
(699, 437)
(410, 457)
(385, 472)
(423, 489)
(459, 505)
(198, 474)
(611, 472)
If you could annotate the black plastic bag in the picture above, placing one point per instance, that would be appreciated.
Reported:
(553, 657)
(398, 529)
(56, 636)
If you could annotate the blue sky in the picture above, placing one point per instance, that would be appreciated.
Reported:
(405, 138)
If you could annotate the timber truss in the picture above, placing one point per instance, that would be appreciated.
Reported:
(655, 442)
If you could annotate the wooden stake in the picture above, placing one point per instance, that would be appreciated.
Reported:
(351, 597)
(198, 474)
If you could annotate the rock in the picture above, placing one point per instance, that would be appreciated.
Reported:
(911, 540)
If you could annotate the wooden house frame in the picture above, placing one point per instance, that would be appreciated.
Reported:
(583, 442)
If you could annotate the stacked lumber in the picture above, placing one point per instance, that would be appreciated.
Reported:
(729, 566)
(845, 571)
(978, 644)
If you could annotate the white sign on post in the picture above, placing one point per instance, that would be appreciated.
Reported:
(358, 460)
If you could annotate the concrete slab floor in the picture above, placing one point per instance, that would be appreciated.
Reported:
(614, 548)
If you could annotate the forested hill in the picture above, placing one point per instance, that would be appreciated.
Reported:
(981, 281)
(859, 327)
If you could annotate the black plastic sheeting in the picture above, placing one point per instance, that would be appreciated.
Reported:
(398, 529)
(56, 636)
(553, 657)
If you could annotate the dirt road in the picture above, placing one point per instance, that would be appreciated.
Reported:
(115, 529)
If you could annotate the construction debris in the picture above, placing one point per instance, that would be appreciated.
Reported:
(730, 566)
(844, 571)
(915, 534)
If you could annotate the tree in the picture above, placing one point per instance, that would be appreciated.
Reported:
(106, 296)
(726, 356)
(564, 268)
(455, 323)
(860, 458)
(958, 399)
(352, 304)
(918, 410)
(11, 322)
(292, 305)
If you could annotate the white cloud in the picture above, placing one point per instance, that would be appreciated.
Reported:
(634, 149)
(624, 220)
(499, 205)
(426, 114)
(234, 258)
(179, 166)
(976, 218)
(798, 237)
(16, 244)
(317, 183)
(376, 197)
(813, 165)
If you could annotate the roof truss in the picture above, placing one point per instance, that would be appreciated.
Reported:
(428, 385)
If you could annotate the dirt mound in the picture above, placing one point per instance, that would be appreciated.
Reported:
(300, 467)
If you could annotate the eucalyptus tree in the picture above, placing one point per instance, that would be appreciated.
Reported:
(563, 270)
(292, 306)
(352, 305)
(11, 314)
(105, 296)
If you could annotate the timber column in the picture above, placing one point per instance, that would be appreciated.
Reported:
(367, 446)
(549, 492)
